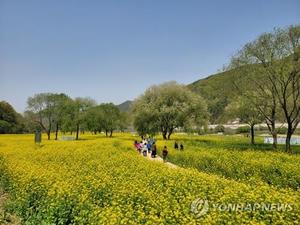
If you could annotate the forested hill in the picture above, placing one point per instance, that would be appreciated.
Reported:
(218, 90)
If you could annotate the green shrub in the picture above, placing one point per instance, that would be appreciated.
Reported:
(5, 127)
(243, 130)
(281, 130)
(229, 131)
(219, 128)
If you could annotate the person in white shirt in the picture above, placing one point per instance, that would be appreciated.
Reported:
(144, 149)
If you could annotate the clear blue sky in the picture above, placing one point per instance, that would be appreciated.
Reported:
(113, 50)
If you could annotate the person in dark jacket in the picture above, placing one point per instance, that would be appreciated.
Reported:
(181, 147)
(153, 150)
(165, 153)
(176, 145)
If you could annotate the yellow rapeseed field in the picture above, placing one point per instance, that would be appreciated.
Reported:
(233, 157)
(101, 180)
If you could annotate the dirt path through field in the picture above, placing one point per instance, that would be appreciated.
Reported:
(159, 159)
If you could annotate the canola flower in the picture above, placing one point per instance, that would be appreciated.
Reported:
(104, 181)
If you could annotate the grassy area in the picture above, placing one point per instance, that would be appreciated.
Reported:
(101, 180)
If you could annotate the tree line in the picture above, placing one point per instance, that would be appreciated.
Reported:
(161, 109)
(53, 112)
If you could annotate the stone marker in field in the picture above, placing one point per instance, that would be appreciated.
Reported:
(38, 137)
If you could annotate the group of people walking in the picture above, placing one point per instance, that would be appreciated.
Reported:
(148, 146)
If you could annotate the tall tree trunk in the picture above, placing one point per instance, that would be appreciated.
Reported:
(77, 131)
(274, 135)
(170, 133)
(273, 131)
(50, 127)
(273, 121)
(164, 134)
(71, 132)
(252, 134)
(288, 138)
(111, 132)
(106, 133)
(56, 131)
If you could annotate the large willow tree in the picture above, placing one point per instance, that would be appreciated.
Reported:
(168, 106)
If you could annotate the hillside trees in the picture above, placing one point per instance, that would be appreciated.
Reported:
(218, 90)
(276, 56)
(163, 108)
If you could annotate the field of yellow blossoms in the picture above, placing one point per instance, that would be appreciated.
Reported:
(233, 157)
(100, 180)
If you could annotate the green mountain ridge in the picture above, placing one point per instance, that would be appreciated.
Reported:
(125, 106)
(218, 90)
(222, 88)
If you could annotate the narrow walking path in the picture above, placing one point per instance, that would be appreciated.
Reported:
(159, 159)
